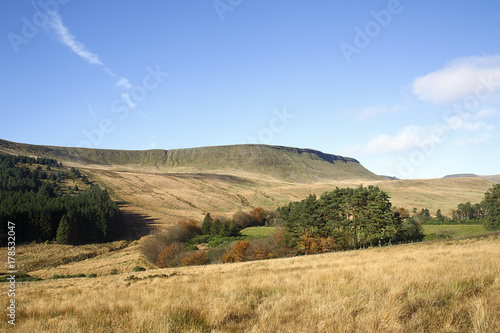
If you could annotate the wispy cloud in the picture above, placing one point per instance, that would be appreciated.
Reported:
(68, 39)
(458, 79)
(65, 37)
(123, 83)
(486, 113)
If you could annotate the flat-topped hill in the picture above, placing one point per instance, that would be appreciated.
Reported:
(285, 163)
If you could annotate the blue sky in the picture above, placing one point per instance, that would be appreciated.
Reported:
(409, 88)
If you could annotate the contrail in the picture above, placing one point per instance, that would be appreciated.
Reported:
(93, 115)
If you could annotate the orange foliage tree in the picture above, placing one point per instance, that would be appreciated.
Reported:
(258, 216)
(191, 227)
(260, 249)
(195, 258)
(169, 256)
(236, 253)
(311, 244)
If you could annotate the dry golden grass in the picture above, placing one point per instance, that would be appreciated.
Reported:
(451, 286)
(45, 260)
(168, 197)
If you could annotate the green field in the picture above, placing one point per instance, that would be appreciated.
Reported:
(430, 231)
(257, 232)
(461, 230)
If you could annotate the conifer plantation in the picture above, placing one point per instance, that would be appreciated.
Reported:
(32, 195)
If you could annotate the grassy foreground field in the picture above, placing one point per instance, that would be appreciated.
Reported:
(448, 286)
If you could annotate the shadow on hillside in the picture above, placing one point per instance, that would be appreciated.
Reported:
(136, 225)
(208, 176)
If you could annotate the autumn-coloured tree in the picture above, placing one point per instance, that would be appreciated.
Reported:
(311, 244)
(236, 253)
(195, 258)
(243, 219)
(258, 250)
(191, 226)
(403, 212)
(258, 216)
(169, 256)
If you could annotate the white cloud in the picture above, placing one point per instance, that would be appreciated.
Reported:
(463, 77)
(66, 38)
(123, 83)
(485, 113)
(473, 140)
(464, 125)
(408, 139)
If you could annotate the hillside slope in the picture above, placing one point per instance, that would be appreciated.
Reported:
(284, 163)
(495, 178)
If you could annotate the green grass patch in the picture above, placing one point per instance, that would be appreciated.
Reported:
(19, 277)
(450, 231)
(257, 232)
(68, 276)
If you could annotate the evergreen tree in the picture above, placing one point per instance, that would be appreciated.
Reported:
(67, 232)
(491, 206)
(215, 228)
(234, 229)
(206, 225)
(224, 230)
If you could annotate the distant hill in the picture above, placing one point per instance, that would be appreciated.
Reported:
(285, 163)
(495, 178)
(389, 177)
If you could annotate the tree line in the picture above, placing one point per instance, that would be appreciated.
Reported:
(338, 220)
(35, 199)
(346, 218)
(486, 212)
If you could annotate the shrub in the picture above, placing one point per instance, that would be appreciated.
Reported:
(199, 239)
(20, 277)
(215, 254)
(169, 257)
(192, 248)
(191, 227)
(138, 269)
(243, 219)
(151, 247)
(195, 259)
(114, 271)
(236, 252)
(92, 275)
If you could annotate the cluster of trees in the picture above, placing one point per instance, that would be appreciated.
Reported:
(178, 245)
(338, 220)
(346, 219)
(42, 211)
(487, 212)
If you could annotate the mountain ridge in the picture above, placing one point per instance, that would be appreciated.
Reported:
(285, 163)
(495, 178)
